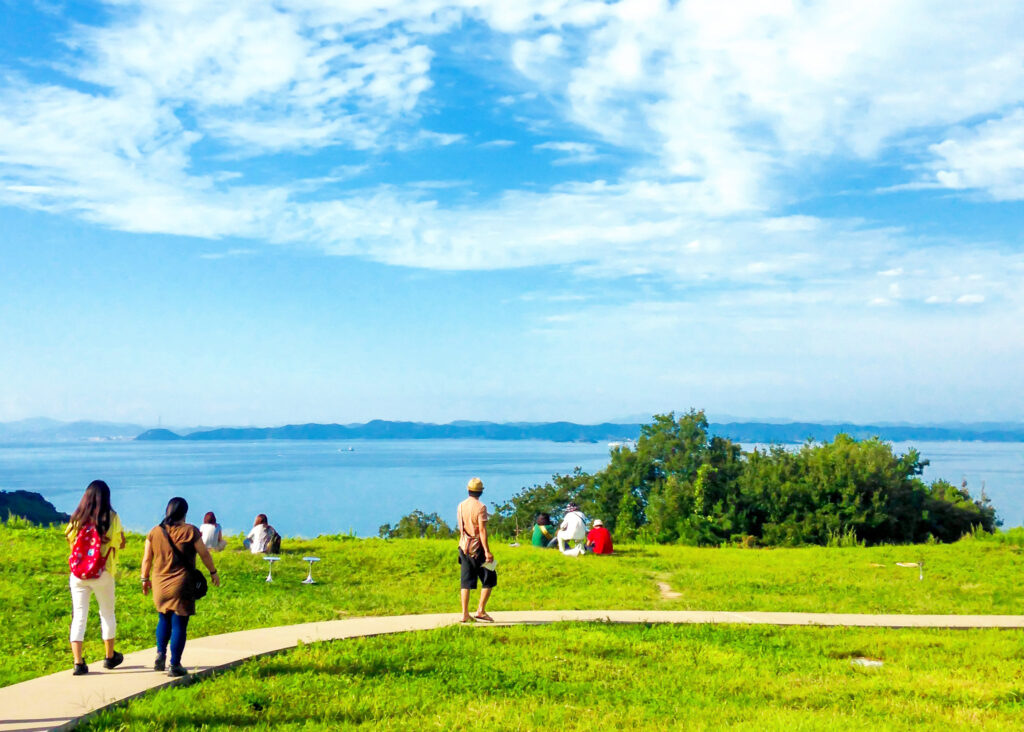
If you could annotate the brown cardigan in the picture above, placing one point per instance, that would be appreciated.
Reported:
(170, 578)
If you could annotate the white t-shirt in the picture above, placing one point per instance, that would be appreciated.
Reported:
(211, 535)
(258, 539)
(574, 526)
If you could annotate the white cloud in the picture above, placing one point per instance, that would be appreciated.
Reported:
(573, 153)
(228, 254)
(715, 104)
(988, 157)
(972, 299)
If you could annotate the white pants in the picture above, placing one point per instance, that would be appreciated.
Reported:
(81, 590)
(564, 537)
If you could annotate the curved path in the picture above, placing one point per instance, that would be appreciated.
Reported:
(60, 699)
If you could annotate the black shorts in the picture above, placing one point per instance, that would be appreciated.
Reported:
(473, 570)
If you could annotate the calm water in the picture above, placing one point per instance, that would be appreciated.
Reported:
(310, 488)
(305, 487)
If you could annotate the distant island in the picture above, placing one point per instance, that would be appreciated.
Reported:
(384, 430)
(748, 432)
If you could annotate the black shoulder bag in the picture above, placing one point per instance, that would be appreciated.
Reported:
(196, 579)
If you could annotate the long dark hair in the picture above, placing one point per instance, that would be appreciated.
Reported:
(94, 508)
(177, 507)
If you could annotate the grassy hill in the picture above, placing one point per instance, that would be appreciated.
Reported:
(376, 577)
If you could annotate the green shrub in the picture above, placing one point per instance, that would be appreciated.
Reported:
(680, 485)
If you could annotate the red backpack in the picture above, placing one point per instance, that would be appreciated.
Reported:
(87, 560)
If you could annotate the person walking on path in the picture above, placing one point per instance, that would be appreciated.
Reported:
(170, 555)
(475, 556)
(95, 537)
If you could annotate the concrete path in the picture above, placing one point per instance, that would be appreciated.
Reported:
(59, 700)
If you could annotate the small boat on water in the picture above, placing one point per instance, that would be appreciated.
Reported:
(622, 444)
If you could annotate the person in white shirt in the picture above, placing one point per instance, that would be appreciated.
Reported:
(257, 538)
(573, 528)
(262, 538)
(213, 537)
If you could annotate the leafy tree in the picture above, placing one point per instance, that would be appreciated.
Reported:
(680, 484)
(519, 512)
(418, 525)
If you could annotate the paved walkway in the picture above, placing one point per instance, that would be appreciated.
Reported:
(60, 699)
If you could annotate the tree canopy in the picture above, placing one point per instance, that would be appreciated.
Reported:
(680, 484)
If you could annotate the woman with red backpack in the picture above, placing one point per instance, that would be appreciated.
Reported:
(94, 536)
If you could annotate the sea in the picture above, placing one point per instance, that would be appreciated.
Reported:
(310, 488)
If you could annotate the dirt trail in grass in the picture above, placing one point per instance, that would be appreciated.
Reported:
(665, 589)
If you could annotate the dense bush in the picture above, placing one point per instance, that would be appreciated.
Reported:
(680, 485)
(417, 525)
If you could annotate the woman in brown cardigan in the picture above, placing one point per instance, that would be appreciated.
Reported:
(172, 595)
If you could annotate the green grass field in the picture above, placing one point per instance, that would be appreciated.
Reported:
(602, 676)
(375, 577)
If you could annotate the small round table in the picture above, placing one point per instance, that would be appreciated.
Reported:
(270, 574)
(309, 577)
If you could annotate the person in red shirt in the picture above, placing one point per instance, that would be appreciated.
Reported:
(599, 540)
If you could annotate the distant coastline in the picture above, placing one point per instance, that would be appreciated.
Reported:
(49, 431)
(761, 432)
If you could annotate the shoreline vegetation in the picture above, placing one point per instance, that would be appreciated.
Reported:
(679, 484)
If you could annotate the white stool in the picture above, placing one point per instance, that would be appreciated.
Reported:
(270, 574)
(309, 577)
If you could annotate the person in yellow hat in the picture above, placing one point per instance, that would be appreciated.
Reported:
(475, 556)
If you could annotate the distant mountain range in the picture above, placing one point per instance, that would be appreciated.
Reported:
(383, 430)
(49, 430)
(41, 429)
(571, 432)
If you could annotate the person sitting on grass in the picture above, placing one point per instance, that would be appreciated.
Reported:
(543, 536)
(573, 528)
(262, 538)
(599, 539)
(213, 537)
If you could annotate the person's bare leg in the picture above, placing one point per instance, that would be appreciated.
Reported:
(76, 650)
(485, 594)
(108, 647)
(465, 605)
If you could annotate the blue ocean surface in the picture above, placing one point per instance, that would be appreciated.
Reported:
(306, 488)
(309, 488)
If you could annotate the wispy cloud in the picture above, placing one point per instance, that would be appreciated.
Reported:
(711, 113)
(228, 254)
(572, 153)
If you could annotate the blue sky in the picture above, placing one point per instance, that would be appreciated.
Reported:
(303, 210)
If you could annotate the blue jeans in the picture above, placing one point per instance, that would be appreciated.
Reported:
(173, 628)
